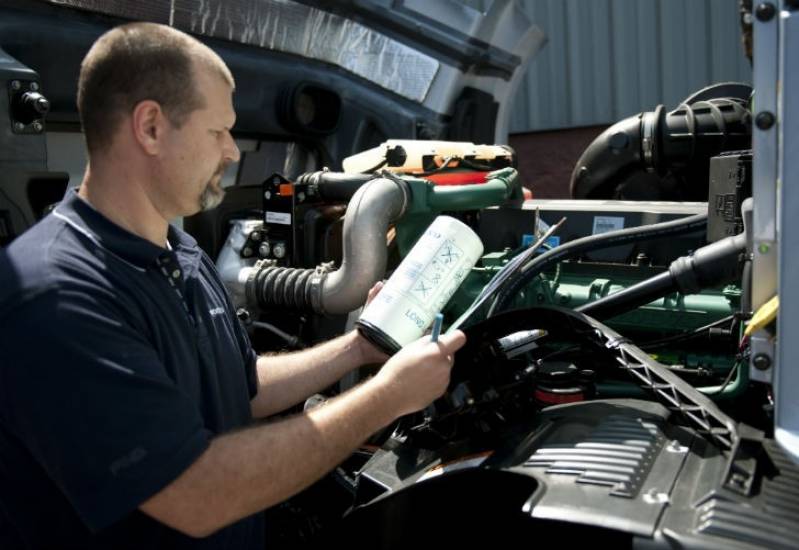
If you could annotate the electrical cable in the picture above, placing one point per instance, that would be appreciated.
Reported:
(687, 335)
(535, 266)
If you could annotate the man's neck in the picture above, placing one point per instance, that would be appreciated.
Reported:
(120, 198)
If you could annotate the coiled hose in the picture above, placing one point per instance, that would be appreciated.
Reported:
(281, 287)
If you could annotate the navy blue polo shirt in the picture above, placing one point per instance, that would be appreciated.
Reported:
(119, 361)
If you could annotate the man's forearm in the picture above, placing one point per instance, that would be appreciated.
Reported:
(287, 379)
(247, 471)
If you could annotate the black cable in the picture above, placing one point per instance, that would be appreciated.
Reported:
(687, 335)
(377, 166)
(535, 266)
(438, 169)
(728, 379)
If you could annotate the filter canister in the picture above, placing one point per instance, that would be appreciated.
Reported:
(422, 284)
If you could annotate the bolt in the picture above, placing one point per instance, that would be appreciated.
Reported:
(619, 141)
(264, 250)
(738, 479)
(765, 11)
(37, 127)
(300, 196)
(764, 120)
(761, 361)
(34, 86)
(16, 85)
(18, 126)
(246, 252)
(279, 250)
(255, 236)
(268, 195)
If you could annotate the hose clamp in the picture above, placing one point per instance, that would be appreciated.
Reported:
(648, 140)
(250, 293)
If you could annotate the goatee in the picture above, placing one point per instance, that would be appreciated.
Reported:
(212, 197)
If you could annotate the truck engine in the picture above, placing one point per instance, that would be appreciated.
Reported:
(622, 380)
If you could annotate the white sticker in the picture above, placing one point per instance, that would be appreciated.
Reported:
(278, 217)
(603, 224)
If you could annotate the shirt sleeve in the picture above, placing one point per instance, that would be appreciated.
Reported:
(249, 356)
(89, 397)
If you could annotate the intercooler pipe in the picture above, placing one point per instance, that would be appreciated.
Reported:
(374, 206)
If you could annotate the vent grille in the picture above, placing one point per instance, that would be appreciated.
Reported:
(618, 453)
(771, 525)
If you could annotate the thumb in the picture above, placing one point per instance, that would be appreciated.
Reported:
(452, 341)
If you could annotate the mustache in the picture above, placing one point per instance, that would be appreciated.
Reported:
(221, 168)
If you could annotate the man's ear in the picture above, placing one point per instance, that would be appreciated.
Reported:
(149, 125)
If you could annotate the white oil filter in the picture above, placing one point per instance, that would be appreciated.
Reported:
(422, 284)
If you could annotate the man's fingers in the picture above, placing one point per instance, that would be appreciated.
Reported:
(452, 341)
(377, 287)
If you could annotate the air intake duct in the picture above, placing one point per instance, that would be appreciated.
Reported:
(662, 155)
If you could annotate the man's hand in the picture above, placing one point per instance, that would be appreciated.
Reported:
(248, 470)
(376, 288)
(419, 373)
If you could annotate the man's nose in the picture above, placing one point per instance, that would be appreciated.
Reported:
(231, 151)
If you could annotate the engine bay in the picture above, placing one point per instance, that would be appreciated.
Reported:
(623, 381)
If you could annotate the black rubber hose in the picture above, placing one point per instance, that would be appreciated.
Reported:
(676, 142)
(631, 297)
(712, 265)
(535, 266)
(609, 160)
(283, 287)
(334, 186)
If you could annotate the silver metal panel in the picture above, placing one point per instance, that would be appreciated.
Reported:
(764, 169)
(786, 375)
(764, 187)
(609, 59)
(505, 26)
(290, 27)
(309, 32)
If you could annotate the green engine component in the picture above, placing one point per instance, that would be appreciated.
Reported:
(572, 284)
(428, 200)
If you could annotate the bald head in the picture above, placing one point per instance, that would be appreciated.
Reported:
(137, 62)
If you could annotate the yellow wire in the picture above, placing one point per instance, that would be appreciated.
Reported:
(766, 314)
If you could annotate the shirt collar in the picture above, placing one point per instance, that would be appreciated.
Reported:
(130, 247)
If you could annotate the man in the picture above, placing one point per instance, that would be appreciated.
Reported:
(127, 387)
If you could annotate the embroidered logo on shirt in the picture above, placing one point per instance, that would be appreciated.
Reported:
(128, 460)
(217, 311)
